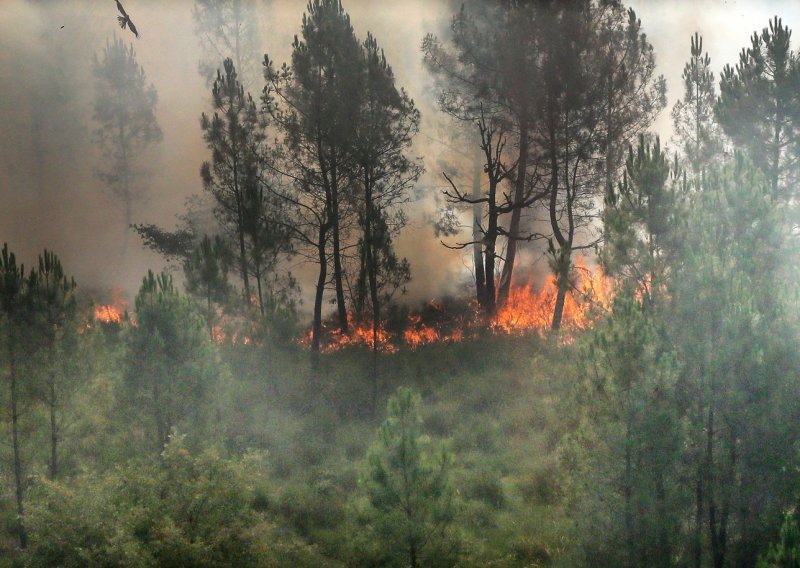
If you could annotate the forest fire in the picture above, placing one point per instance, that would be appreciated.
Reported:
(112, 313)
(526, 311)
(108, 313)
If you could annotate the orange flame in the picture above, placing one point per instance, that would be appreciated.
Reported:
(526, 311)
(108, 314)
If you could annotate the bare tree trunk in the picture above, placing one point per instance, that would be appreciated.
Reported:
(516, 215)
(480, 274)
(18, 484)
(338, 277)
(628, 494)
(258, 287)
(562, 285)
(716, 552)
(697, 545)
(53, 428)
(323, 276)
(663, 534)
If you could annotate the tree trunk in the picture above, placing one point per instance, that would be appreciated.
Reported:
(258, 287)
(237, 192)
(562, 284)
(516, 215)
(53, 428)
(323, 276)
(18, 484)
(338, 277)
(716, 551)
(663, 533)
(628, 495)
(480, 274)
(697, 545)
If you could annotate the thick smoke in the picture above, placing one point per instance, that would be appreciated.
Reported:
(53, 199)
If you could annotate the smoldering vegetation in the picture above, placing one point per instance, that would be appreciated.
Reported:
(292, 284)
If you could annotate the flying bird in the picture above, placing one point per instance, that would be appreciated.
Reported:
(125, 19)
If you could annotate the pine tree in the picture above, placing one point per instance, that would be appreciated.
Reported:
(54, 305)
(759, 107)
(124, 109)
(172, 369)
(14, 303)
(316, 104)
(599, 92)
(641, 219)
(409, 485)
(696, 129)
(387, 123)
(206, 274)
(235, 135)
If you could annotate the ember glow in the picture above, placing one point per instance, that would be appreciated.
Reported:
(528, 310)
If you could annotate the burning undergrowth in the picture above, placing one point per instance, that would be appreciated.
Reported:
(528, 310)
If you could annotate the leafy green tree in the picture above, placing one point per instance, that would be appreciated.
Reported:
(124, 109)
(759, 107)
(786, 552)
(730, 299)
(624, 452)
(207, 276)
(640, 220)
(192, 509)
(409, 487)
(172, 368)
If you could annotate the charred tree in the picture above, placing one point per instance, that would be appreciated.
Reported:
(493, 142)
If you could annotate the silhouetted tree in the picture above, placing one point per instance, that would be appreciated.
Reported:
(387, 123)
(494, 204)
(235, 135)
(493, 71)
(599, 92)
(124, 110)
(316, 104)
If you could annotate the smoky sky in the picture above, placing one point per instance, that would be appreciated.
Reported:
(51, 197)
